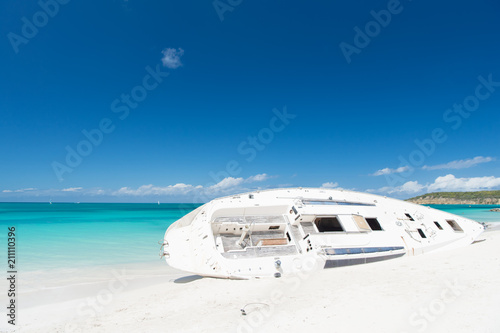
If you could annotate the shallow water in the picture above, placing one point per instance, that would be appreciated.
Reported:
(61, 235)
(479, 213)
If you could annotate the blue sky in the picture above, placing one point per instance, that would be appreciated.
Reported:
(134, 101)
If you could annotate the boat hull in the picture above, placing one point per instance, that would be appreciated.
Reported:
(290, 231)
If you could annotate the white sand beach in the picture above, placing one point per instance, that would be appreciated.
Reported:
(451, 291)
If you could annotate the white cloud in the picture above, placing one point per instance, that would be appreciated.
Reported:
(460, 164)
(172, 57)
(451, 183)
(227, 183)
(330, 185)
(448, 183)
(72, 189)
(410, 187)
(387, 171)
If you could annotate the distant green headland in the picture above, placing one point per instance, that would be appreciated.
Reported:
(458, 198)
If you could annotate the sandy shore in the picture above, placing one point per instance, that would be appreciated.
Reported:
(456, 291)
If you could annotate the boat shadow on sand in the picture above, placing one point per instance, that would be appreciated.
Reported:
(188, 279)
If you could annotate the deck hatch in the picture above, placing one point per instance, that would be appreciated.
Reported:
(328, 224)
(373, 223)
(421, 233)
(455, 226)
(438, 225)
(361, 223)
(409, 217)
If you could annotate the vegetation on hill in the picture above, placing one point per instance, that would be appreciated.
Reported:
(461, 195)
(479, 197)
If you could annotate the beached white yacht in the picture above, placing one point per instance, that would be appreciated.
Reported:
(279, 232)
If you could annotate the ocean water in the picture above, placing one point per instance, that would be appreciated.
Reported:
(70, 235)
(479, 213)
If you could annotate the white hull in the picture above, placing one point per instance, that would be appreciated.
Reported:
(285, 231)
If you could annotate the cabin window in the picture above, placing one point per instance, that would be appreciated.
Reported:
(327, 224)
(455, 225)
(438, 225)
(421, 232)
(373, 223)
(361, 223)
(409, 217)
(274, 227)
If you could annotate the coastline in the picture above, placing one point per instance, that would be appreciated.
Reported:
(380, 297)
(453, 201)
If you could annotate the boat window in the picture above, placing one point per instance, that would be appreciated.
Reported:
(455, 225)
(374, 224)
(421, 233)
(438, 225)
(409, 216)
(326, 224)
(361, 223)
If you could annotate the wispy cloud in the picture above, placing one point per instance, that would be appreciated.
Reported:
(177, 189)
(72, 189)
(460, 164)
(225, 185)
(20, 190)
(172, 57)
(258, 178)
(387, 171)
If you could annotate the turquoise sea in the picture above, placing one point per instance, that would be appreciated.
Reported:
(479, 213)
(62, 235)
